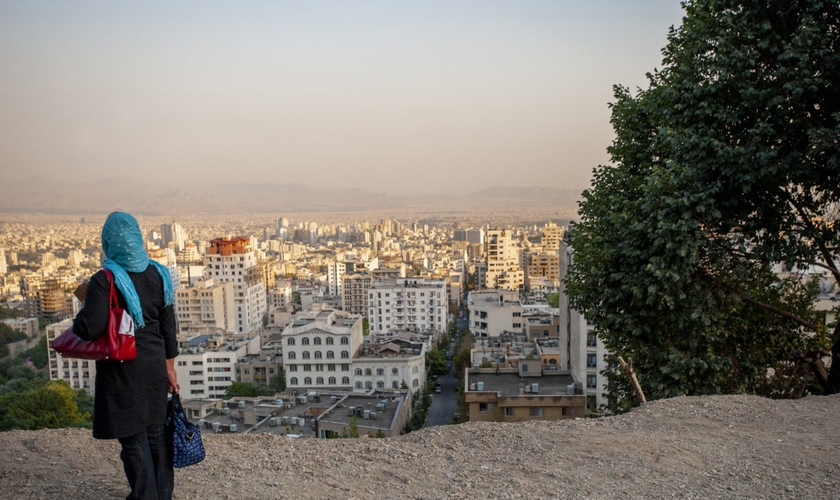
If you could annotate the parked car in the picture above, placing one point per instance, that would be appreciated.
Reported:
(438, 388)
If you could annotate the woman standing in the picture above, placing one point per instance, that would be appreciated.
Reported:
(130, 400)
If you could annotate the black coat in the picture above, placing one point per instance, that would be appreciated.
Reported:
(130, 395)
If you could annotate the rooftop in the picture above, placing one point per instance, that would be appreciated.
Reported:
(509, 384)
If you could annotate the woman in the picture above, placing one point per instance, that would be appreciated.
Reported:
(130, 401)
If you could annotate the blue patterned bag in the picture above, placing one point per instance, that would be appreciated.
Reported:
(187, 448)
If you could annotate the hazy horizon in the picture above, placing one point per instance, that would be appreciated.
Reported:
(422, 98)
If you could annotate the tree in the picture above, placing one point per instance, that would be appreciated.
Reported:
(436, 363)
(245, 390)
(365, 326)
(553, 299)
(693, 252)
(353, 431)
(51, 406)
(278, 383)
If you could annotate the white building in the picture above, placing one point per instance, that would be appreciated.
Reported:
(502, 261)
(235, 261)
(586, 351)
(318, 350)
(392, 362)
(79, 373)
(493, 312)
(413, 304)
(335, 271)
(205, 364)
(206, 305)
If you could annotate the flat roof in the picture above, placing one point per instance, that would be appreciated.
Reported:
(508, 384)
(340, 414)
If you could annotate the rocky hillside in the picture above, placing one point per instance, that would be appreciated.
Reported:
(705, 447)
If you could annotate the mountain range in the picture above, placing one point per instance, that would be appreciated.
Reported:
(48, 195)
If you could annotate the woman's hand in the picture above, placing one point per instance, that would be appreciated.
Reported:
(173, 376)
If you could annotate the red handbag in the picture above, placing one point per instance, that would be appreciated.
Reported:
(116, 344)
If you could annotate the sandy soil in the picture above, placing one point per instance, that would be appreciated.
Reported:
(706, 447)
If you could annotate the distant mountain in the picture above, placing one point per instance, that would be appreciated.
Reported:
(47, 195)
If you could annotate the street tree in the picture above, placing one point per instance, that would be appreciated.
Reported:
(701, 252)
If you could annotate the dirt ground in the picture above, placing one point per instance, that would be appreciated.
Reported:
(704, 447)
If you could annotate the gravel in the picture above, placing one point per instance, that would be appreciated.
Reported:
(688, 447)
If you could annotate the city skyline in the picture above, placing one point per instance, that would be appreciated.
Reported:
(399, 98)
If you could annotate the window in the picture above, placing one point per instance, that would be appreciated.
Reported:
(591, 401)
(591, 360)
(359, 372)
(330, 341)
(291, 341)
(319, 380)
(345, 380)
(395, 385)
(307, 368)
(345, 341)
(415, 383)
(317, 354)
(330, 368)
(359, 385)
(316, 341)
(380, 385)
(395, 371)
(415, 369)
(304, 341)
(591, 339)
(305, 354)
(368, 371)
(307, 381)
(591, 381)
(484, 407)
(345, 368)
(292, 368)
(330, 355)
(508, 412)
(380, 371)
(332, 380)
(292, 355)
(368, 385)
(293, 381)
(536, 411)
(345, 354)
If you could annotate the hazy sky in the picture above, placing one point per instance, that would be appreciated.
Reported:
(422, 96)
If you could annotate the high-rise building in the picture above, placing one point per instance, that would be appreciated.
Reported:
(552, 235)
(354, 297)
(233, 260)
(205, 306)
(172, 234)
(335, 270)
(502, 261)
(3, 268)
(414, 304)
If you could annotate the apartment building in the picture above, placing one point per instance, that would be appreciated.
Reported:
(79, 373)
(205, 306)
(494, 312)
(234, 261)
(355, 293)
(260, 368)
(509, 395)
(502, 261)
(586, 352)
(318, 350)
(390, 362)
(552, 235)
(206, 363)
(542, 264)
(413, 304)
(280, 297)
(27, 326)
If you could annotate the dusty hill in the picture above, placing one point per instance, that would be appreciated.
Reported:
(708, 447)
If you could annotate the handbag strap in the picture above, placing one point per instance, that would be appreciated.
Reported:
(112, 297)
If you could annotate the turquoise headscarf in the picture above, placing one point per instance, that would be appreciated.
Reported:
(122, 242)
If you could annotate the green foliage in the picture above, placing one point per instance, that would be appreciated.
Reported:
(296, 298)
(245, 390)
(44, 321)
(38, 354)
(278, 383)
(436, 364)
(462, 360)
(9, 334)
(485, 363)
(365, 326)
(726, 165)
(553, 299)
(10, 313)
(380, 434)
(353, 428)
(51, 406)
